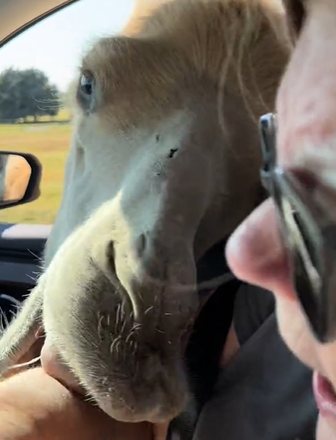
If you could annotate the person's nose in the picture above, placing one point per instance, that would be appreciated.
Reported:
(306, 117)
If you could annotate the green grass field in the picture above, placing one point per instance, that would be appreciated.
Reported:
(63, 115)
(50, 143)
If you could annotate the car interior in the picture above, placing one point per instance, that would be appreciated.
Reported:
(21, 245)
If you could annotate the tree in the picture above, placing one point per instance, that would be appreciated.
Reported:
(26, 93)
(50, 101)
(10, 99)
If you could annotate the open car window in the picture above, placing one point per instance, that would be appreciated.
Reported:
(36, 68)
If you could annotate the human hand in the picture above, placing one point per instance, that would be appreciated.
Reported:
(36, 406)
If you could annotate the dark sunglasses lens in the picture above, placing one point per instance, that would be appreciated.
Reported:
(311, 254)
(306, 278)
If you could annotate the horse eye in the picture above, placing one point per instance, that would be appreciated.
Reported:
(86, 83)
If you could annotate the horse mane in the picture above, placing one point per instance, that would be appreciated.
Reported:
(235, 45)
(247, 28)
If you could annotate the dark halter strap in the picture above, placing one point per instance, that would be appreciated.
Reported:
(207, 340)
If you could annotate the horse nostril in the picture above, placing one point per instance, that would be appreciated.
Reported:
(110, 255)
(111, 273)
(140, 245)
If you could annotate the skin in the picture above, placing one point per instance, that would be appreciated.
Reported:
(35, 406)
(119, 289)
(306, 107)
(14, 181)
(45, 403)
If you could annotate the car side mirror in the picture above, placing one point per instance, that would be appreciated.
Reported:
(20, 176)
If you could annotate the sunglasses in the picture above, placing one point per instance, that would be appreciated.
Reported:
(308, 231)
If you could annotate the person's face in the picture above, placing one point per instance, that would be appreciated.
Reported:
(306, 108)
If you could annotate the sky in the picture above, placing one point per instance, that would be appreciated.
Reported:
(55, 44)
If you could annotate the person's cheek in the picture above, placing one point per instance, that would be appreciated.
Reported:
(325, 430)
(326, 355)
(306, 104)
(306, 109)
(295, 332)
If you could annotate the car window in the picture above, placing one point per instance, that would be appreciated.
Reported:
(36, 69)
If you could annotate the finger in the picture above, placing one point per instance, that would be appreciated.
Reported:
(54, 366)
(160, 431)
(34, 406)
(28, 359)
